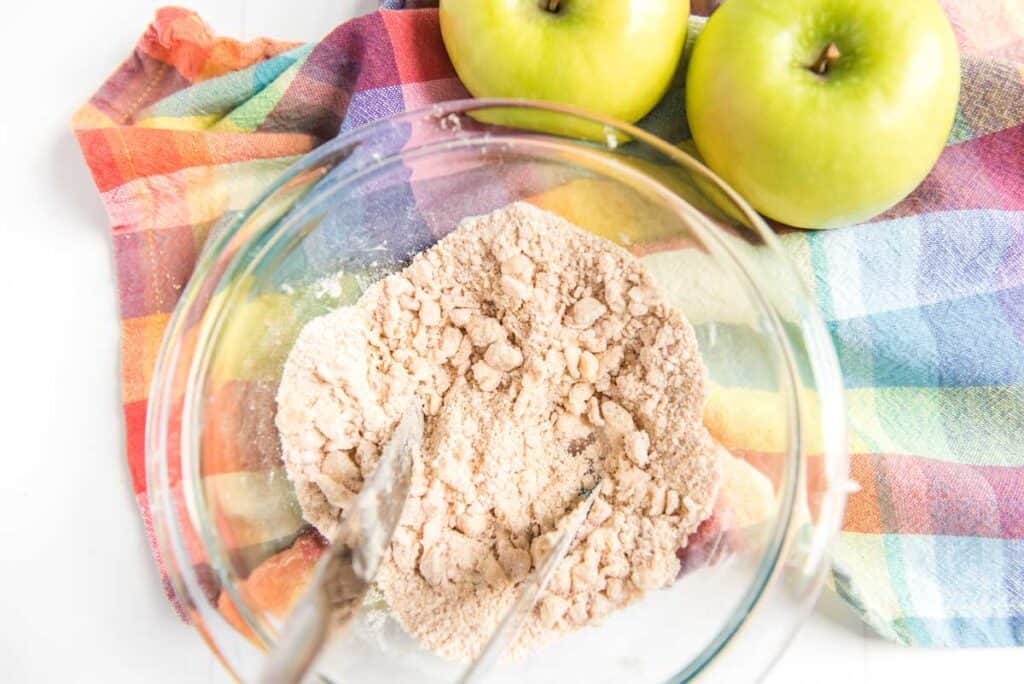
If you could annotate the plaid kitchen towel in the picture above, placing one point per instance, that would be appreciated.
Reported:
(925, 304)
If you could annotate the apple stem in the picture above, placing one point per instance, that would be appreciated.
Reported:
(826, 59)
(549, 5)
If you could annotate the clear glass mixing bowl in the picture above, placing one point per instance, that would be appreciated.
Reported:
(228, 528)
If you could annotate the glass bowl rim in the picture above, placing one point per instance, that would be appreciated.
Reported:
(169, 542)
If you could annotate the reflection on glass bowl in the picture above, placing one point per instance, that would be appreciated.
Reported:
(225, 516)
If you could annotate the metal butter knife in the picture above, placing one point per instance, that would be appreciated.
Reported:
(344, 573)
(529, 594)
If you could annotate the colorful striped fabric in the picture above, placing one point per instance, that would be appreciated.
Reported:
(925, 304)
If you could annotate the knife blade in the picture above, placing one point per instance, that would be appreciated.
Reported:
(530, 592)
(348, 566)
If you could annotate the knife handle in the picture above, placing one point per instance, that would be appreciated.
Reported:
(301, 640)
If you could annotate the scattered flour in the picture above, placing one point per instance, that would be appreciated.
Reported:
(545, 358)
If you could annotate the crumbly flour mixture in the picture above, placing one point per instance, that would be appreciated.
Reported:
(545, 359)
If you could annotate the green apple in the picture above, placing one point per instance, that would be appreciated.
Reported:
(613, 57)
(823, 112)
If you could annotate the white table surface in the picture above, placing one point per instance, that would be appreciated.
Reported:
(79, 598)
